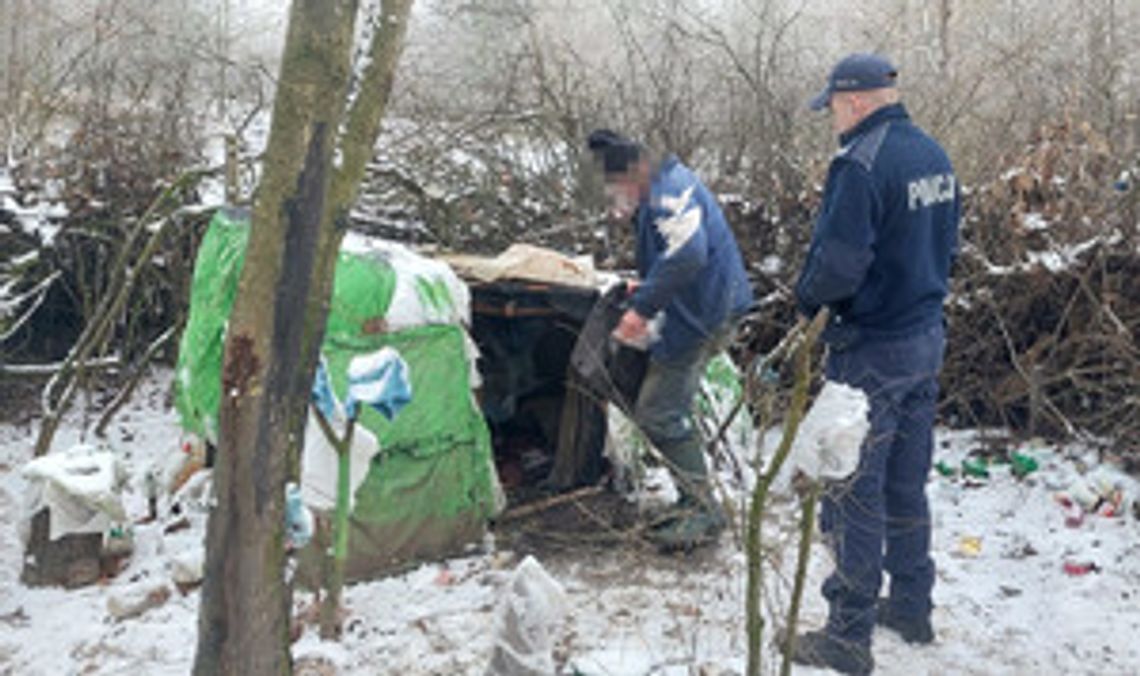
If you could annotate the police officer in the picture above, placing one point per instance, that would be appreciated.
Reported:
(880, 257)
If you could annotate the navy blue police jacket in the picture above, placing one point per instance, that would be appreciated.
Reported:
(690, 266)
(886, 235)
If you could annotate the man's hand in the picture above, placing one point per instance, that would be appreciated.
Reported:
(633, 330)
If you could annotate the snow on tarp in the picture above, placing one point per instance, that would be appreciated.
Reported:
(425, 292)
(78, 487)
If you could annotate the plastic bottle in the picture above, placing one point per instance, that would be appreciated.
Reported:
(1022, 465)
(975, 467)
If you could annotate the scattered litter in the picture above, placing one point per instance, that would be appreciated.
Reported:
(79, 487)
(445, 578)
(1022, 465)
(299, 522)
(1079, 568)
(1019, 548)
(134, 601)
(188, 568)
(1082, 493)
(945, 469)
(977, 468)
(969, 546)
(1112, 505)
(1098, 494)
(118, 543)
(1074, 513)
(179, 467)
(532, 607)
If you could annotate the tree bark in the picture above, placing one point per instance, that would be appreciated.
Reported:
(318, 146)
(243, 622)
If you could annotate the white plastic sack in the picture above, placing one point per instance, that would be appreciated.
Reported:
(79, 488)
(319, 464)
(832, 433)
(531, 608)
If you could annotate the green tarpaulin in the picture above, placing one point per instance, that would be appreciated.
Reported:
(431, 486)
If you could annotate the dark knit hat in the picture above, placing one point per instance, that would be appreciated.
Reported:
(615, 151)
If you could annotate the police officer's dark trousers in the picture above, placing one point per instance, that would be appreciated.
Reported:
(879, 517)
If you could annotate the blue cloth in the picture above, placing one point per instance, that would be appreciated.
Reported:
(886, 235)
(688, 261)
(323, 397)
(884, 502)
(379, 380)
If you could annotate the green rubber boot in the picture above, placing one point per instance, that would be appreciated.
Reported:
(693, 522)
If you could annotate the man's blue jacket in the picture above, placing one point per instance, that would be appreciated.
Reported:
(688, 261)
(886, 235)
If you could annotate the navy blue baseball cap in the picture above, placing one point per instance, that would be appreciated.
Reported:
(856, 73)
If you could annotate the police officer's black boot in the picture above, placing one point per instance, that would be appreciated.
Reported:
(820, 649)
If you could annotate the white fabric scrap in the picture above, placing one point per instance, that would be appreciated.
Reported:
(832, 433)
(79, 489)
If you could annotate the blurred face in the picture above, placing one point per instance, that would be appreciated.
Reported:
(624, 191)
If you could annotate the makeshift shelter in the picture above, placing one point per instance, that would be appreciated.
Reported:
(429, 485)
(427, 481)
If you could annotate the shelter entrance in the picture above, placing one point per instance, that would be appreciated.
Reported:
(547, 434)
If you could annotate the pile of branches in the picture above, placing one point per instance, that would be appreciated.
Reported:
(480, 188)
(1045, 312)
(80, 202)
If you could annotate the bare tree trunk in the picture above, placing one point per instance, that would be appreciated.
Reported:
(243, 622)
(278, 321)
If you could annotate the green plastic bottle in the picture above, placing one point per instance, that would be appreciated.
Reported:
(976, 467)
(1022, 465)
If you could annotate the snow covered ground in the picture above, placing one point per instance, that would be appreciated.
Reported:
(1005, 604)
